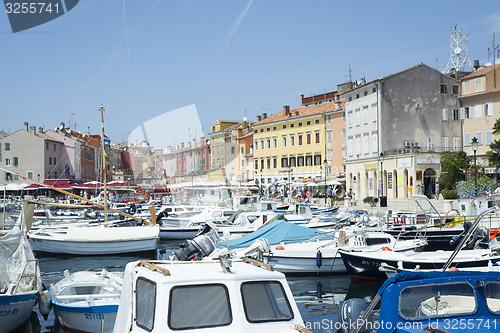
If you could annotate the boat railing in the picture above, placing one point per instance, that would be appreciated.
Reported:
(86, 297)
(30, 276)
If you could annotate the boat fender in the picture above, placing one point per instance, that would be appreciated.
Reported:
(385, 248)
(44, 303)
(349, 313)
(453, 269)
(319, 258)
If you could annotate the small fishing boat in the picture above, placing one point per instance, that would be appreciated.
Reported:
(20, 280)
(87, 301)
(206, 296)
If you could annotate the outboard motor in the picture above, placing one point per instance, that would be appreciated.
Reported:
(163, 213)
(456, 239)
(196, 248)
(349, 314)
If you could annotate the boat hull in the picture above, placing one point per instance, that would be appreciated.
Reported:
(48, 246)
(306, 265)
(86, 319)
(360, 266)
(15, 310)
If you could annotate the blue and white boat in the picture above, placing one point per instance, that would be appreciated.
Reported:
(87, 301)
(20, 280)
(456, 301)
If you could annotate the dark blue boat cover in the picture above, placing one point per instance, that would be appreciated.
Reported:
(276, 232)
(411, 276)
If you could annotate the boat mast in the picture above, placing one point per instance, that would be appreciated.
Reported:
(103, 154)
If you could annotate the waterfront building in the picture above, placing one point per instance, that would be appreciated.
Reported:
(480, 101)
(244, 160)
(396, 128)
(223, 151)
(32, 154)
(289, 145)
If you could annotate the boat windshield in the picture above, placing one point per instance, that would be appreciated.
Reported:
(492, 292)
(437, 300)
(199, 306)
(265, 301)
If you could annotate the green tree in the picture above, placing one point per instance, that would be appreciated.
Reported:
(452, 165)
(493, 155)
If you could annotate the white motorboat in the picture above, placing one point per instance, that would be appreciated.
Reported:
(20, 280)
(199, 296)
(87, 301)
(322, 256)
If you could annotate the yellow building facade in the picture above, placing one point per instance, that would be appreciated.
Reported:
(290, 145)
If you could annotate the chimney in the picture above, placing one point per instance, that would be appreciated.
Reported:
(286, 108)
(40, 129)
(296, 112)
(259, 118)
(476, 65)
(26, 125)
(33, 129)
(182, 145)
(264, 115)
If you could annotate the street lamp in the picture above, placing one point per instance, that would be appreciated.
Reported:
(474, 145)
(325, 162)
(382, 174)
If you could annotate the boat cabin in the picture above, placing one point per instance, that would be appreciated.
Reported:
(198, 296)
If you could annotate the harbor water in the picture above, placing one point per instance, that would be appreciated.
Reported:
(317, 297)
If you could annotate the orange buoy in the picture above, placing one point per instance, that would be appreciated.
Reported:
(385, 248)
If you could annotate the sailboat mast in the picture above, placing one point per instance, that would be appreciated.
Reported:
(103, 154)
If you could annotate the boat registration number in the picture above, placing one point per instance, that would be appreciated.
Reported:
(94, 316)
(5, 313)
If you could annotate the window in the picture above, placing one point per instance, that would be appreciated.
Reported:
(15, 161)
(465, 113)
(365, 93)
(261, 144)
(145, 299)
(292, 161)
(275, 162)
(455, 89)
(489, 137)
(268, 160)
(273, 306)
(50, 160)
(466, 87)
(344, 153)
(309, 160)
(343, 117)
(444, 89)
(349, 146)
(211, 302)
(316, 121)
(317, 159)
(349, 118)
(329, 119)
(300, 124)
(292, 140)
(357, 142)
(232, 150)
(256, 164)
(374, 112)
(242, 150)
(268, 129)
(456, 114)
(300, 161)
(308, 122)
(357, 116)
(478, 111)
(343, 134)
(256, 144)
(308, 138)
(8, 176)
(492, 293)
(275, 142)
(284, 126)
(30, 174)
(274, 128)
(374, 142)
(46, 146)
(329, 135)
(299, 136)
(430, 143)
(329, 154)
(366, 143)
(268, 143)
(7, 161)
(262, 164)
(445, 146)
(284, 141)
(479, 136)
(456, 144)
(284, 162)
(467, 139)
(54, 147)
(7, 146)
(365, 114)
(292, 125)
(262, 130)
(317, 136)
(444, 114)
(434, 300)
(488, 109)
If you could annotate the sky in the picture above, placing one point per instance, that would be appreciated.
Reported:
(229, 59)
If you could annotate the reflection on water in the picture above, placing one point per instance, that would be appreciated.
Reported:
(317, 297)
